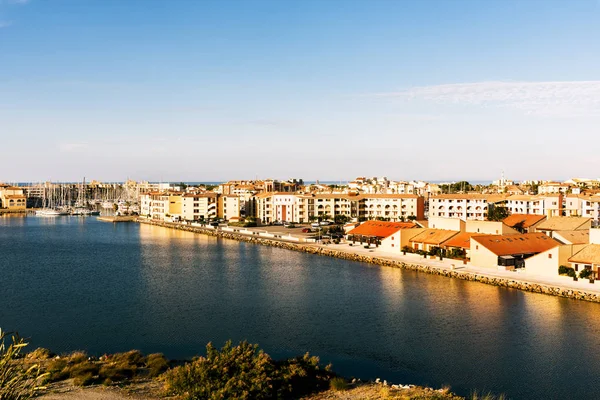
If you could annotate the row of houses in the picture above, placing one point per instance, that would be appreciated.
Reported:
(534, 244)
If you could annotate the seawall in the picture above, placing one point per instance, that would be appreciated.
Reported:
(331, 252)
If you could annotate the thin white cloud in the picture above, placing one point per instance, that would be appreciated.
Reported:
(72, 147)
(559, 99)
(17, 1)
(5, 24)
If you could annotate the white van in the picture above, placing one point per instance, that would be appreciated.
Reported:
(315, 225)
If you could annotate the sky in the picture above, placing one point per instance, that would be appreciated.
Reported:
(182, 90)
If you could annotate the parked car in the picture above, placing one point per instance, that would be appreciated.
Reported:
(288, 225)
(325, 223)
(306, 230)
(278, 223)
(315, 225)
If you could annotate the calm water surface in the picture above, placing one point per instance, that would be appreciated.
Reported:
(74, 283)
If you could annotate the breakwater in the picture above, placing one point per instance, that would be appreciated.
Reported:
(331, 252)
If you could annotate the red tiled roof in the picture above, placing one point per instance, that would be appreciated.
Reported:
(527, 220)
(380, 229)
(506, 245)
(462, 240)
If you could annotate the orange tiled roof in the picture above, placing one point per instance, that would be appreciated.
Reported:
(434, 236)
(588, 255)
(527, 219)
(462, 240)
(506, 245)
(380, 229)
(563, 223)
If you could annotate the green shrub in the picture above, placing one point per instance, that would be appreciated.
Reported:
(586, 273)
(338, 384)
(234, 372)
(85, 379)
(300, 376)
(245, 372)
(156, 364)
(563, 270)
(18, 381)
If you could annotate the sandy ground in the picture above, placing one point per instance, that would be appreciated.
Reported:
(66, 391)
(151, 391)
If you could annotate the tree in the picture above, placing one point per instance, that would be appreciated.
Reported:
(341, 219)
(497, 213)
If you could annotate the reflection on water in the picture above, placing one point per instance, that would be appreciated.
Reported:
(81, 284)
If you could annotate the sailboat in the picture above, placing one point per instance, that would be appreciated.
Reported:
(50, 210)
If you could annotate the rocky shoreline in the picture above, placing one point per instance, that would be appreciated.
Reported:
(464, 275)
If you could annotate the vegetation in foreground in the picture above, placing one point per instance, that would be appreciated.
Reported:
(232, 372)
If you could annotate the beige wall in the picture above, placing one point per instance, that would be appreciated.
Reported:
(595, 236)
(482, 257)
(547, 263)
(490, 227)
(451, 224)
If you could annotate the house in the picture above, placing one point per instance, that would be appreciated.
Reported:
(587, 258)
(460, 243)
(429, 238)
(581, 236)
(563, 224)
(508, 251)
(388, 235)
(547, 262)
(524, 223)
(12, 198)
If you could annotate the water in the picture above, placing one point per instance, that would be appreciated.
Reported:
(74, 283)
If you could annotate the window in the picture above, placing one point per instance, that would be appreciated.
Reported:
(476, 247)
(392, 244)
(549, 255)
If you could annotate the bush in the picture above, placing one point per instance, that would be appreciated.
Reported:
(338, 384)
(240, 372)
(245, 372)
(18, 381)
(563, 270)
(156, 364)
(586, 273)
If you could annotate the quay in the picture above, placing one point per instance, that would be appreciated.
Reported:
(448, 267)
(124, 218)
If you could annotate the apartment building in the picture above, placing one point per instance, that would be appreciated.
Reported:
(230, 206)
(161, 205)
(464, 206)
(199, 207)
(548, 205)
(271, 207)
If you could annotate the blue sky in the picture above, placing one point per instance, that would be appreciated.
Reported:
(329, 89)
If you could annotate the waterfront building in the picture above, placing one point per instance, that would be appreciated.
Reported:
(470, 206)
(587, 258)
(548, 205)
(553, 188)
(161, 205)
(12, 198)
(199, 207)
(229, 207)
(430, 238)
(508, 251)
(387, 235)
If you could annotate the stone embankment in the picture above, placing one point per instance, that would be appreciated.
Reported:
(331, 252)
